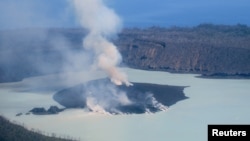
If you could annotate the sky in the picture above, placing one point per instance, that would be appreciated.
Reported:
(134, 13)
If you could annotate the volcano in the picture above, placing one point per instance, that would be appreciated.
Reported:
(102, 95)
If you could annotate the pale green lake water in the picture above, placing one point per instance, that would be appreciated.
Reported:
(211, 101)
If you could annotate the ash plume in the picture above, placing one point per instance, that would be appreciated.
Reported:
(102, 24)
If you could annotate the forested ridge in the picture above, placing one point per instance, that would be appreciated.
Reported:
(208, 49)
(14, 132)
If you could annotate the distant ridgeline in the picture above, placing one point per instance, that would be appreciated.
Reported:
(212, 50)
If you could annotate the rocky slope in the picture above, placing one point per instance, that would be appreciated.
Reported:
(206, 49)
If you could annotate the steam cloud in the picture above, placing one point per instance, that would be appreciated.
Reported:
(49, 51)
(102, 23)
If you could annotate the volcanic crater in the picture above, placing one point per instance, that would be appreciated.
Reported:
(102, 95)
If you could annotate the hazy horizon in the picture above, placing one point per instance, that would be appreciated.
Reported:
(137, 13)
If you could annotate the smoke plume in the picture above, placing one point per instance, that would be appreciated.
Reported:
(102, 24)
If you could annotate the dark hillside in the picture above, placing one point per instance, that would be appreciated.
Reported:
(13, 132)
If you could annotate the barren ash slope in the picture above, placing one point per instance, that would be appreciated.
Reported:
(103, 96)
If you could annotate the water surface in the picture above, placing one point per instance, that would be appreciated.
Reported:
(211, 101)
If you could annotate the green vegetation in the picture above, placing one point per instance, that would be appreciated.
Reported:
(13, 132)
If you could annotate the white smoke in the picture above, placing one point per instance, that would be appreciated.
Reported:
(157, 104)
(93, 105)
(102, 23)
(104, 97)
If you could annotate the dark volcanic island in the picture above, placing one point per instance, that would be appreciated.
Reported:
(103, 96)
